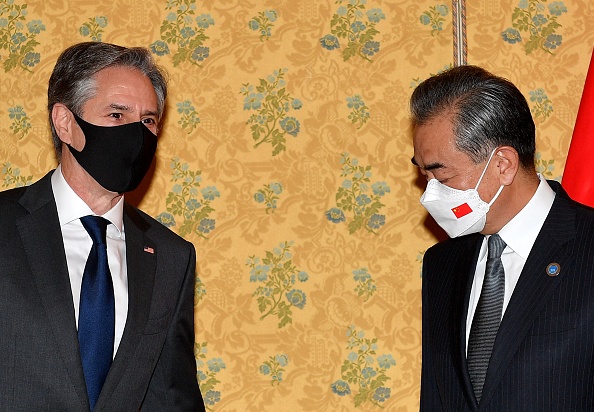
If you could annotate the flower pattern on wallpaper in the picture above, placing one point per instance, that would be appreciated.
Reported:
(354, 196)
(185, 32)
(13, 177)
(362, 370)
(188, 202)
(189, 116)
(359, 110)
(543, 106)
(279, 276)
(272, 103)
(417, 80)
(21, 124)
(366, 286)
(545, 167)
(207, 371)
(199, 291)
(355, 26)
(274, 367)
(18, 38)
(419, 258)
(262, 23)
(342, 268)
(538, 22)
(93, 27)
(434, 18)
(269, 195)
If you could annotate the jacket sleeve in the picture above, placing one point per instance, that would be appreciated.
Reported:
(174, 386)
(429, 399)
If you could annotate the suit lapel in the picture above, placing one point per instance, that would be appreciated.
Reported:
(449, 290)
(533, 289)
(141, 259)
(465, 287)
(39, 232)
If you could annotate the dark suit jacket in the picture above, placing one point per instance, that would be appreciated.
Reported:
(543, 356)
(40, 368)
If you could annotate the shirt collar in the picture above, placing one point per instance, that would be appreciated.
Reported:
(71, 207)
(520, 233)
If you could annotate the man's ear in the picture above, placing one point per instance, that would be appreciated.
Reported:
(508, 162)
(63, 122)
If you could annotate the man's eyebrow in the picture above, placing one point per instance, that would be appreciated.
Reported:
(431, 166)
(125, 108)
(121, 107)
(150, 113)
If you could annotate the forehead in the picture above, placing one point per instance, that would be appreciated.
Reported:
(128, 83)
(434, 141)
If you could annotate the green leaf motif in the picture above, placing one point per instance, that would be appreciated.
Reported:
(366, 286)
(21, 124)
(189, 116)
(185, 31)
(357, 196)
(536, 20)
(543, 166)
(434, 18)
(262, 23)
(207, 375)
(18, 37)
(189, 203)
(277, 276)
(275, 367)
(272, 103)
(13, 177)
(356, 26)
(93, 28)
(542, 106)
(366, 373)
(359, 110)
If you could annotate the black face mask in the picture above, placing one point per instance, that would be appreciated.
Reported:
(117, 157)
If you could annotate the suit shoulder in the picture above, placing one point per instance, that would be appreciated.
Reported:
(11, 196)
(155, 229)
(452, 245)
(9, 203)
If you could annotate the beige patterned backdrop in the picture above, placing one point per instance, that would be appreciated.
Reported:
(285, 159)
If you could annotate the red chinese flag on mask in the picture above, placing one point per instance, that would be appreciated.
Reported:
(578, 179)
(462, 210)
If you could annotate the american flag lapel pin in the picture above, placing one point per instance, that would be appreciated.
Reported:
(149, 249)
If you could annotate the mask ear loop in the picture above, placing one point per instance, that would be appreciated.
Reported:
(485, 169)
(481, 178)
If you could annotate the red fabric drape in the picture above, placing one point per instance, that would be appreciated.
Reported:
(578, 177)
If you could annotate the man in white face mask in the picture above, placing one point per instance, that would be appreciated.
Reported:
(507, 301)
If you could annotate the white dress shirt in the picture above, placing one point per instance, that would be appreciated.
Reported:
(77, 244)
(519, 234)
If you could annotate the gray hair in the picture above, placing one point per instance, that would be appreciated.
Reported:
(487, 111)
(73, 83)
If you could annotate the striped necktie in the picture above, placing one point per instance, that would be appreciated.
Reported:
(487, 316)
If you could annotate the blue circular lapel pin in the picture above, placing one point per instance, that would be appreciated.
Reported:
(553, 269)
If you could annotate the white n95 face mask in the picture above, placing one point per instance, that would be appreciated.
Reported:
(458, 212)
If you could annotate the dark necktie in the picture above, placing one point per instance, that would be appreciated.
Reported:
(487, 316)
(96, 319)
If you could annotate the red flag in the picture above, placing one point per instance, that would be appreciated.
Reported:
(578, 176)
(462, 210)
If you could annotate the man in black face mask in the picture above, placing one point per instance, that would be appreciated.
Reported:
(96, 297)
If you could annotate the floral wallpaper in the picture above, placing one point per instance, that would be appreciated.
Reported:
(285, 159)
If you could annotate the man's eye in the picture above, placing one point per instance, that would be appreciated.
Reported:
(148, 121)
(116, 115)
